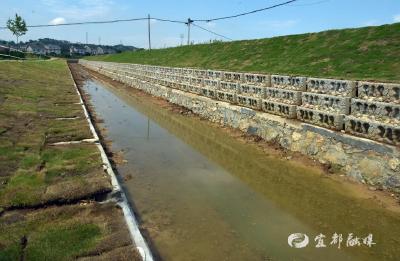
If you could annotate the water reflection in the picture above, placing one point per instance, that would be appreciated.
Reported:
(203, 195)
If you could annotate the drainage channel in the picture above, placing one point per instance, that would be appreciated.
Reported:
(202, 195)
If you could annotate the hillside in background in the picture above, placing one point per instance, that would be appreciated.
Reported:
(362, 53)
(65, 45)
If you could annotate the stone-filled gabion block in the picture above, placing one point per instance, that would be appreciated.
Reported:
(295, 83)
(319, 118)
(199, 73)
(197, 81)
(211, 83)
(227, 96)
(373, 130)
(176, 85)
(323, 102)
(233, 76)
(257, 79)
(232, 87)
(167, 83)
(252, 90)
(388, 113)
(216, 75)
(251, 102)
(282, 109)
(209, 92)
(177, 71)
(187, 71)
(185, 79)
(342, 88)
(194, 88)
(180, 86)
(382, 92)
(283, 95)
(184, 87)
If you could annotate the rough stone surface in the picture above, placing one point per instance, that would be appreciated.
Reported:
(375, 130)
(252, 90)
(279, 108)
(381, 92)
(229, 87)
(289, 82)
(323, 102)
(387, 113)
(331, 87)
(283, 96)
(320, 118)
(257, 79)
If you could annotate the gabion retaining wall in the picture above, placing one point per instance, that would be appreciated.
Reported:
(328, 109)
(366, 109)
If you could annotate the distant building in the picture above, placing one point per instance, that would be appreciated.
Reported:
(99, 51)
(4, 49)
(88, 50)
(36, 49)
(23, 48)
(77, 50)
(52, 49)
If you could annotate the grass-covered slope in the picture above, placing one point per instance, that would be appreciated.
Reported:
(362, 53)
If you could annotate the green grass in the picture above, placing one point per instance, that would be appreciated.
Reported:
(369, 53)
(34, 173)
(28, 185)
(60, 233)
(32, 96)
(61, 242)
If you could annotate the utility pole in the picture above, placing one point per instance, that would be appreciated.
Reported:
(148, 23)
(188, 24)
(182, 36)
(86, 38)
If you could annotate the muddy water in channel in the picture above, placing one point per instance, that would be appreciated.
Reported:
(202, 195)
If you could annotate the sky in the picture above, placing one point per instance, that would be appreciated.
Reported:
(302, 16)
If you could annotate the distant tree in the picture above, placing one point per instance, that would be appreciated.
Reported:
(17, 26)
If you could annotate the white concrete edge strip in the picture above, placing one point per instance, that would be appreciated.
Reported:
(74, 142)
(129, 216)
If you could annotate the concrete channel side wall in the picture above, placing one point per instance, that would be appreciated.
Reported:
(278, 113)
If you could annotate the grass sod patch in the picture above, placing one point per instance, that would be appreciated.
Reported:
(32, 173)
(59, 243)
(61, 173)
(368, 53)
(63, 233)
(33, 95)
(67, 130)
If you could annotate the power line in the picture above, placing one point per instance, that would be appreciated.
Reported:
(83, 23)
(158, 19)
(220, 35)
(188, 22)
(168, 20)
(246, 13)
(101, 22)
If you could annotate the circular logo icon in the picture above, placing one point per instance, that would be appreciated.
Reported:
(298, 240)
